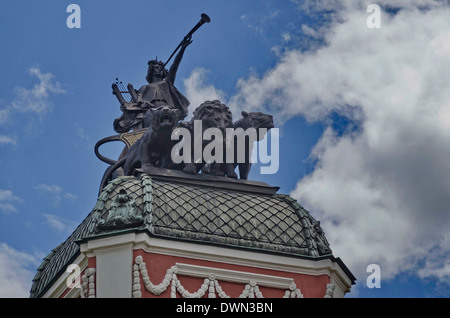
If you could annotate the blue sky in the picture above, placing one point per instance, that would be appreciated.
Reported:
(364, 118)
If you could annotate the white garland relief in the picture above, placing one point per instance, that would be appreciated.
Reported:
(88, 285)
(210, 285)
(329, 291)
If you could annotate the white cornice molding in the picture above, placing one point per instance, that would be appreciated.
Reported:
(60, 286)
(244, 258)
(212, 253)
(99, 245)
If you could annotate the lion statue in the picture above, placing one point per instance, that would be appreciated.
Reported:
(254, 120)
(213, 114)
(153, 148)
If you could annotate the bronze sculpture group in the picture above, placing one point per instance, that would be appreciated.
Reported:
(154, 113)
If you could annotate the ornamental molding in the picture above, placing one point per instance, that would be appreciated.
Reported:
(329, 293)
(149, 244)
(88, 283)
(234, 276)
(210, 283)
(244, 258)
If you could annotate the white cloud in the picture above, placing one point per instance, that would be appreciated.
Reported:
(83, 136)
(15, 273)
(37, 99)
(259, 22)
(81, 133)
(60, 224)
(4, 114)
(286, 36)
(197, 91)
(7, 200)
(70, 196)
(380, 192)
(7, 208)
(5, 140)
(30, 101)
(7, 195)
(437, 263)
(48, 188)
(56, 193)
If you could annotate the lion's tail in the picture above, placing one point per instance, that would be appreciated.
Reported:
(109, 172)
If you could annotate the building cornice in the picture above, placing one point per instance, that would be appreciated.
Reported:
(143, 241)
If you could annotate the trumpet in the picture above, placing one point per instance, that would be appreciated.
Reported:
(203, 19)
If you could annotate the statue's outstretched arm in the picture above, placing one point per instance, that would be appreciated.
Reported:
(174, 68)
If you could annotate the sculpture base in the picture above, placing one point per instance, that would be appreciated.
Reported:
(209, 180)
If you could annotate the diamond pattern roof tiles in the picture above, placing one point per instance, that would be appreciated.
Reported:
(200, 212)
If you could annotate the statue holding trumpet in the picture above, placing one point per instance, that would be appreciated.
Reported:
(156, 136)
(160, 90)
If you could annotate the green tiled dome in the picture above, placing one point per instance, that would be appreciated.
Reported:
(203, 209)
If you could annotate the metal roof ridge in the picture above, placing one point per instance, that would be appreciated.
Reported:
(239, 185)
